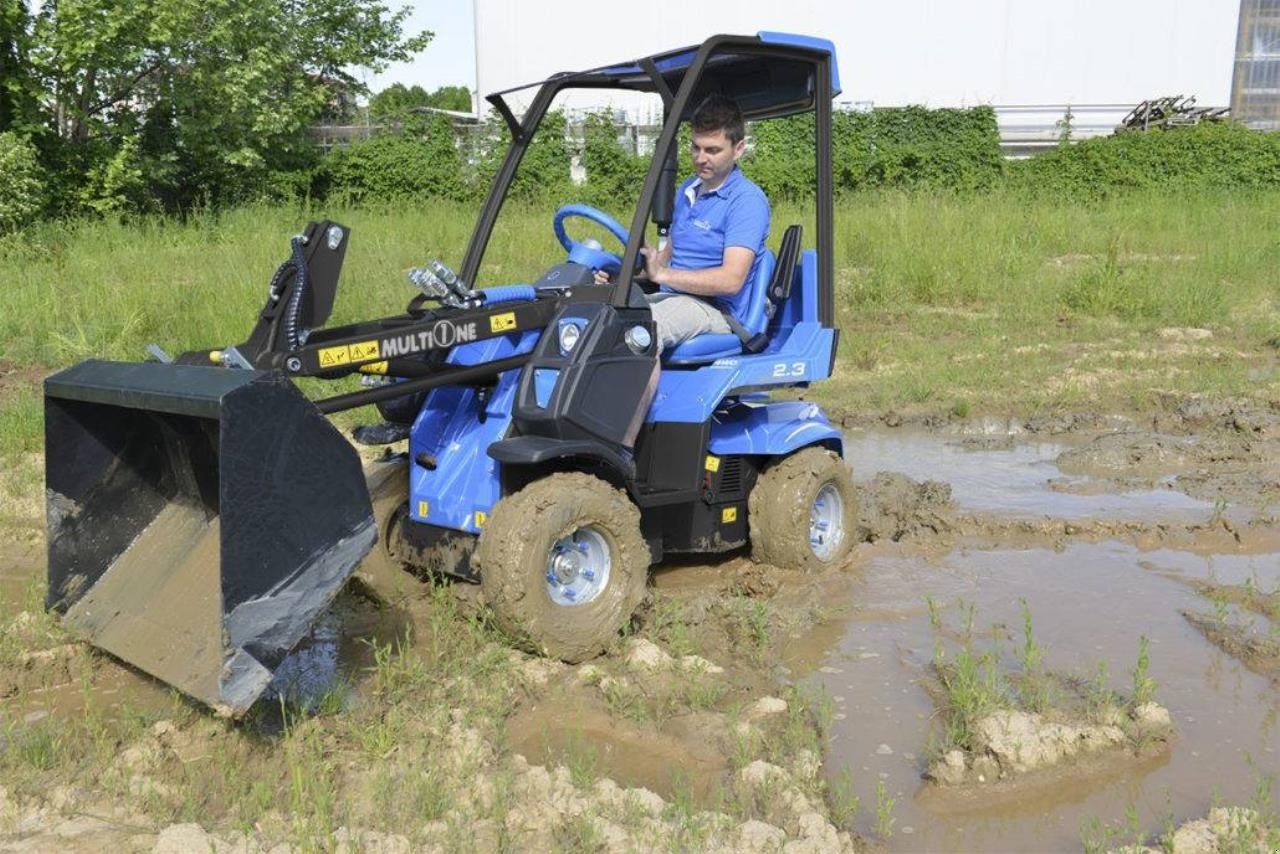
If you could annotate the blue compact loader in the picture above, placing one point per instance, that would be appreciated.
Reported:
(202, 512)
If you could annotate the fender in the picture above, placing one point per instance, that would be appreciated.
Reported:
(773, 428)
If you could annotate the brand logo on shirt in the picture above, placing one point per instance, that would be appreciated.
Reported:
(702, 224)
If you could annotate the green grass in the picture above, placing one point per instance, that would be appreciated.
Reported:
(973, 305)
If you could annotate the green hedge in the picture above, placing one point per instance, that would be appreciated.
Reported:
(1216, 156)
(418, 163)
(21, 187)
(907, 148)
(911, 148)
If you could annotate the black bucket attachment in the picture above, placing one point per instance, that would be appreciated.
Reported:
(200, 519)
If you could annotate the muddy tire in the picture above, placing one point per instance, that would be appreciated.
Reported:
(803, 511)
(382, 570)
(562, 565)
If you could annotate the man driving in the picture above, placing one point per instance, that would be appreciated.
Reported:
(718, 232)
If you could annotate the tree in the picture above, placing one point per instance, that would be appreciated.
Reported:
(397, 101)
(456, 98)
(179, 102)
(17, 101)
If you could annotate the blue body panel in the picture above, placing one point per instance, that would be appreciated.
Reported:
(774, 429)
(800, 351)
(465, 480)
(810, 42)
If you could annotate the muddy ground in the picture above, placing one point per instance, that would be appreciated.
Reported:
(1054, 632)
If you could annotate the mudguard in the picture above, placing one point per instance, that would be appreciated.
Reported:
(773, 429)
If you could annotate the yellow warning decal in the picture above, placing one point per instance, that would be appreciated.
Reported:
(423, 507)
(502, 322)
(332, 357)
(364, 351)
(713, 464)
(374, 368)
(728, 514)
(481, 518)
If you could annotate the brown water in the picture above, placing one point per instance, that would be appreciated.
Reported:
(1090, 603)
(1014, 479)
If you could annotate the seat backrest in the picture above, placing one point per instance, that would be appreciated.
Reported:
(756, 317)
(784, 272)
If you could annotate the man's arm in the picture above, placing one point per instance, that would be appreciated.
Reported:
(723, 281)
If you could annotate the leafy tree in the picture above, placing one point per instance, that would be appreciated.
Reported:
(190, 101)
(397, 101)
(20, 182)
(457, 98)
(17, 94)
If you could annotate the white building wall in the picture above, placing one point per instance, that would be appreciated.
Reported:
(934, 52)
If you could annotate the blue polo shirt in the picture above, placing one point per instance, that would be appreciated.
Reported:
(734, 214)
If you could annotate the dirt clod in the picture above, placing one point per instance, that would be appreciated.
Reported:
(895, 507)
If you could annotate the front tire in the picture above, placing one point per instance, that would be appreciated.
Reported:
(803, 511)
(563, 565)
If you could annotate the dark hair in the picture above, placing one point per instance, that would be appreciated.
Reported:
(718, 112)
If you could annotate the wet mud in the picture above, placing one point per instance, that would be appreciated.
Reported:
(1103, 531)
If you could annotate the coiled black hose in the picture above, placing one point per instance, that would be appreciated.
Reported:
(297, 267)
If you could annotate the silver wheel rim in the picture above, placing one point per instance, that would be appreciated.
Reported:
(826, 522)
(578, 568)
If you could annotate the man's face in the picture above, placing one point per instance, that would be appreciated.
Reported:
(714, 156)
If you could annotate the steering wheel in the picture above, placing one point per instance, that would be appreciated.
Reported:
(581, 253)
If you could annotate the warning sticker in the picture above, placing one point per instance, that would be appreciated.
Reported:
(502, 322)
(363, 351)
(728, 514)
(374, 368)
(713, 464)
(481, 518)
(423, 507)
(332, 357)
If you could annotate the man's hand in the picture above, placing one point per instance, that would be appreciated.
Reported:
(603, 278)
(654, 264)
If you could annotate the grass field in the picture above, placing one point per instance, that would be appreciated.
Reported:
(952, 306)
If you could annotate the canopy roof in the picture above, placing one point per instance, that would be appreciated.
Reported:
(765, 83)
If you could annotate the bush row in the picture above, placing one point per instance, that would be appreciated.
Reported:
(912, 149)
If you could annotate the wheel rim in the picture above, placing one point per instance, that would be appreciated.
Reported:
(578, 568)
(826, 522)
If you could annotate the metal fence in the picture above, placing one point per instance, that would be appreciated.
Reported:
(1025, 129)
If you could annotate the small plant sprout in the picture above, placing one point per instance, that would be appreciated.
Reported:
(844, 803)
(885, 804)
(1031, 654)
(1144, 687)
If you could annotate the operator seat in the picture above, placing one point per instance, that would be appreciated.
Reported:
(770, 285)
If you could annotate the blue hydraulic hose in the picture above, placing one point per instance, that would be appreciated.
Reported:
(510, 293)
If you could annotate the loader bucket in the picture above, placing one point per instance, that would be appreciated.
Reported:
(200, 519)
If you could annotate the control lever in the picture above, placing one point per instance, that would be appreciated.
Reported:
(438, 282)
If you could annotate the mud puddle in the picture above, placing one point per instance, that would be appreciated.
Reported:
(327, 665)
(1090, 603)
(1016, 478)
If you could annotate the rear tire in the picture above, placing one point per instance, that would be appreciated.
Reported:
(803, 511)
(563, 565)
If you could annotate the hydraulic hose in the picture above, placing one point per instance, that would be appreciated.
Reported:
(297, 264)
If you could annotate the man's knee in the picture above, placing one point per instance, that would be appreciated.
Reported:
(678, 317)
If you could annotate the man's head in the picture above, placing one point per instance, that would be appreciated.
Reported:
(719, 139)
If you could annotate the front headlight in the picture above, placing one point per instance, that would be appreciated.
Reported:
(569, 335)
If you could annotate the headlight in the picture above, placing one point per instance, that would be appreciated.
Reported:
(569, 335)
(638, 339)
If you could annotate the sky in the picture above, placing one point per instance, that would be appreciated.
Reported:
(450, 59)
